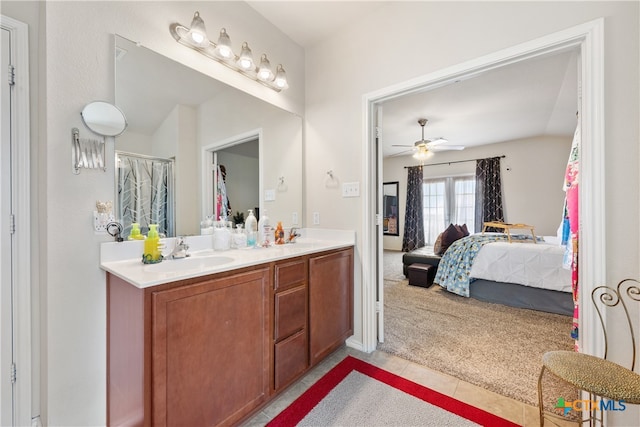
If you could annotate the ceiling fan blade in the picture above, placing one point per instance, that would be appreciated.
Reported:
(447, 148)
(401, 145)
(437, 141)
(402, 153)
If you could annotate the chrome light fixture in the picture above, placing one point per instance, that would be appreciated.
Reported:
(196, 38)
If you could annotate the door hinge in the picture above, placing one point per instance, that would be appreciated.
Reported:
(12, 75)
(13, 373)
(378, 307)
(12, 224)
(378, 219)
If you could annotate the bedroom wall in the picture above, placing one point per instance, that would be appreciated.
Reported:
(532, 177)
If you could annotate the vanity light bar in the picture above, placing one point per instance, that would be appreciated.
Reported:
(196, 38)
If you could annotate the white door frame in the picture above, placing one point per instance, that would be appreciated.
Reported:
(589, 38)
(21, 248)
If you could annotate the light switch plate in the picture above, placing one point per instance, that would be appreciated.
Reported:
(351, 189)
(269, 195)
(294, 218)
(316, 218)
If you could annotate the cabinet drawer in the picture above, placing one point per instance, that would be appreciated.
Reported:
(290, 312)
(288, 274)
(291, 359)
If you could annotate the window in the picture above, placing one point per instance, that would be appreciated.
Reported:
(449, 200)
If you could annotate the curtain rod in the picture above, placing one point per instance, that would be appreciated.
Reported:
(455, 161)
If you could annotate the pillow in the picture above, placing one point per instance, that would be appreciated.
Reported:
(450, 235)
(437, 246)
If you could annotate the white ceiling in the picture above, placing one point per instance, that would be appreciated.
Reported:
(534, 98)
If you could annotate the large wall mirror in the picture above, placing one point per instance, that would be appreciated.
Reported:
(390, 208)
(184, 128)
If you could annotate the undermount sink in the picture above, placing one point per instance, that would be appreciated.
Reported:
(188, 264)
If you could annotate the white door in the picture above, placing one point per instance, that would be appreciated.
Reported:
(379, 241)
(6, 277)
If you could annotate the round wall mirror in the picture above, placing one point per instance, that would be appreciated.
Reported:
(104, 119)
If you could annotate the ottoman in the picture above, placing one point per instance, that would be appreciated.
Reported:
(421, 274)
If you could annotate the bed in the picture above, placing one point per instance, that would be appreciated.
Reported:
(524, 274)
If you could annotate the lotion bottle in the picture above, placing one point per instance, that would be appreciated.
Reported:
(251, 228)
(264, 230)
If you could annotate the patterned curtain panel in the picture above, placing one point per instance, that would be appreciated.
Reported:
(488, 192)
(413, 221)
(145, 193)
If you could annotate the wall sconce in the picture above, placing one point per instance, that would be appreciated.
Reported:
(196, 38)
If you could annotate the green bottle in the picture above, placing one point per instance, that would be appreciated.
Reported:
(135, 232)
(152, 254)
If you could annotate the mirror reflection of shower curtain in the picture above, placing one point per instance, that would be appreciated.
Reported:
(145, 192)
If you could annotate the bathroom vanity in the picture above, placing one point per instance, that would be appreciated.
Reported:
(209, 343)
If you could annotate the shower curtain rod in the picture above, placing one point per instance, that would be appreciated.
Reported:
(455, 161)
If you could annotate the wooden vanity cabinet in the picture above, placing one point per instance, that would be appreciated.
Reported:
(330, 302)
(212, 350)
(291, 335)
(195, 352)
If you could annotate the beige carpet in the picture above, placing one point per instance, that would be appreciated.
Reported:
(493, 346)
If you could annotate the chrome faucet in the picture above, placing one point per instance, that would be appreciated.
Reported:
(292, 235)
(180, 250)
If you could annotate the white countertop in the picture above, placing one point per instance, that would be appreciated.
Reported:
(124, 259)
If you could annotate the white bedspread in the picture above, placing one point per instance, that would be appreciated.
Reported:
(537, 265)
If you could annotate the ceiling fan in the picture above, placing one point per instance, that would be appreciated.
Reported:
(424, 147)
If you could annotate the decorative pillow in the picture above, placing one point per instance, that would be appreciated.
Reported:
(437, 246)
(450, 235)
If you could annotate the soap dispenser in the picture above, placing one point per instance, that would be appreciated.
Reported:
(152, 254)
(135, 232)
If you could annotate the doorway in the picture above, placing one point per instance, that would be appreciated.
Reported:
(588, 38)
(232, 178)
(15, 249)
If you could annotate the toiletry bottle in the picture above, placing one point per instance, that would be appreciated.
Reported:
(279, 234)
(251, 228)
(135, 232)
(239, 238)
(152, 254)
(221, 236)
(264, 230)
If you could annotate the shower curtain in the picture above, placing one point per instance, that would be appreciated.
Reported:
(145, 192)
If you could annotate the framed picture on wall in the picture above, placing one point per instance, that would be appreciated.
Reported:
(390, 208)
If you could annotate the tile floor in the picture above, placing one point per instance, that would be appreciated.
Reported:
(512, 410)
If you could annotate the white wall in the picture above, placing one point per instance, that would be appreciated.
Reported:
(532, 177)
(77, 55)
(405, 40)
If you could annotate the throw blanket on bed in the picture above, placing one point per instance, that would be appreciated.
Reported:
(455, 265)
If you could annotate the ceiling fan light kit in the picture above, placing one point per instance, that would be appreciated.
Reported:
(424, 148)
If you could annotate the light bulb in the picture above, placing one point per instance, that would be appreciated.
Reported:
(223, 46)
(281, 77)
(246, 59)
(264, 71)
(197, 32)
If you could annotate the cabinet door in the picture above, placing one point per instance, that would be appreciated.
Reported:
(330, 302)
(210, 350)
